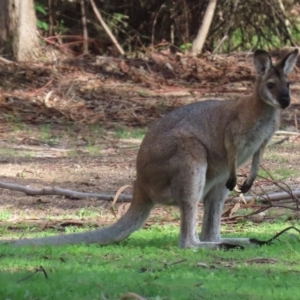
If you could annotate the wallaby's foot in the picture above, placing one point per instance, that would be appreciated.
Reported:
(231, 183)
(186, 243)
(197, 245)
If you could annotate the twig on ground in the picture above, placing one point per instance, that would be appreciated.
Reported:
(37, 270)
(285, 139)
(116, 197)
(4, 60)
(269, 241)
(287, 189)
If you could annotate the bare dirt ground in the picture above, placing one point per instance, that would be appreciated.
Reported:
(59, 124)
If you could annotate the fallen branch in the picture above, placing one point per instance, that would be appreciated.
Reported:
(125, 198)
(60, 191)
(282, 132)
(272, 197)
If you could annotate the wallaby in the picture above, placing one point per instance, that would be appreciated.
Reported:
(192, 154)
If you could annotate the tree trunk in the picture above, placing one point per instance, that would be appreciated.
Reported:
(18, 33)
(203, 31)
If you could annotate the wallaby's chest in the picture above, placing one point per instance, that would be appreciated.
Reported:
(255, 138)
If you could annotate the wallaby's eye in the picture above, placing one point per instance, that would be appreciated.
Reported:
(288, 85)
(270, 85)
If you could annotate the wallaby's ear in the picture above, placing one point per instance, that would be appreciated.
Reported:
(287, 64)
(262, 62)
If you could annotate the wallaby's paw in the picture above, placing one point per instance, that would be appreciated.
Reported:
(245, 187)
(231, 183)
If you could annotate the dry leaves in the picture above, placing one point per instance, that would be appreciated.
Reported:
(230, 212)
(114, 91)
(124, 206)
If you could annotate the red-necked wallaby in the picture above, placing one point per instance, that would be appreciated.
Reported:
(192, 154)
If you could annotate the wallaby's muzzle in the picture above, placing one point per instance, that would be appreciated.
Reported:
(285, 100)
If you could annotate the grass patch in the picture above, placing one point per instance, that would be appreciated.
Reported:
(85, 212)
(125, 133)
(94, 149)
(46, 135)
(279, 174)
(11, 118)
(96, 128)
(150, 264)
(275, 157)
(5, 215)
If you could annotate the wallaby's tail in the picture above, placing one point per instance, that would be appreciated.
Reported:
(133, 219)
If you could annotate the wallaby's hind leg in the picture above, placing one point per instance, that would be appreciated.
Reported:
(213, 205)
(187, 188)
(211, 225)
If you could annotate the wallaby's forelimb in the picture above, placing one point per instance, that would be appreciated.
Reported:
(247, 184)
(231, 150)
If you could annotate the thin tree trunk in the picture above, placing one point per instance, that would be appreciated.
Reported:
(18, 34)
(84, 28)
(286, 23)
(203, 30)
(106, 28)
(50, 15)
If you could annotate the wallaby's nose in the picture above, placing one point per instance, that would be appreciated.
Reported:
(285, 100)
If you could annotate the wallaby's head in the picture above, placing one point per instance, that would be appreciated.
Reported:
(271, 80)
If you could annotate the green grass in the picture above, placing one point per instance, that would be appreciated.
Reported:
(274, 156)
(86, 212)
(46, 135)
(150, 264)
(125, 133)
(94, 149)
(96, 128)
(5, 215)
(243, 40)
(11, 118)
(279, 174)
